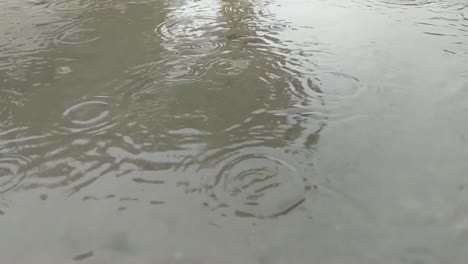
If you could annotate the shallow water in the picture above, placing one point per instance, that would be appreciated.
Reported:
(233, 131)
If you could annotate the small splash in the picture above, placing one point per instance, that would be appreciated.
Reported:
(64, 70)
(180, 71)
(206, 45)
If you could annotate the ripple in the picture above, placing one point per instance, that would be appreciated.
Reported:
(91, 116)
(193, 27)
(71, 112)
(406, 2)
(75, 6)
(170, 70)
(182, 71)
(9, 100)
(77, 36)
(191, 35)
(332, 86)
(228, 66)
(68, 6)
(256, 185)
(206, 45)
(23, 39)
(12, 171)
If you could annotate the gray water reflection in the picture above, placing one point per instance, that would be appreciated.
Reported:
(215, 131)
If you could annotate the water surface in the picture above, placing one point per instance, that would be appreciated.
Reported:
(233, 131)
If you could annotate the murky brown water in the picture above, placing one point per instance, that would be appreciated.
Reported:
(233, 131)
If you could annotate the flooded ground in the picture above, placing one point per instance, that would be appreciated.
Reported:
(233, 131)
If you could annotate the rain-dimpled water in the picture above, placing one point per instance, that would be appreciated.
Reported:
(234, 131)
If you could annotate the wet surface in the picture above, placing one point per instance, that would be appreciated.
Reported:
(233, 131)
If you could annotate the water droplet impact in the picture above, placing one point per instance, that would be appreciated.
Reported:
(90, 116)
(257, 185)
(77, 36)
(64, 70)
